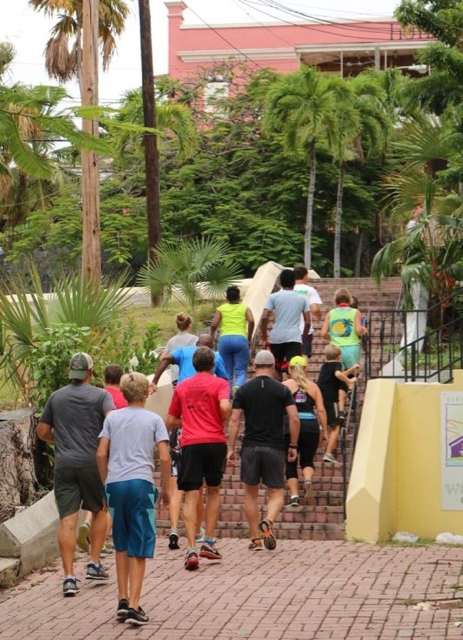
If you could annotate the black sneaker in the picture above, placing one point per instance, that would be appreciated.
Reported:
(191, 561)
(173, 540)
(122, 610)
(210, 552)
(96, 572)
(294, 502)
(342, 418)
(137, 618)
(70, 587)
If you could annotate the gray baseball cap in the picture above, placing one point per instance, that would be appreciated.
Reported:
(80, 365)
(264, 357)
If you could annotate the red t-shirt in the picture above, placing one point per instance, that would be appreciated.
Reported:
(197, 401)
(118, 398)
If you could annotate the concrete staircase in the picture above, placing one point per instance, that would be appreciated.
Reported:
(325, 520)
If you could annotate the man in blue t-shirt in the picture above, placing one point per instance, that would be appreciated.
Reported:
(183, 357)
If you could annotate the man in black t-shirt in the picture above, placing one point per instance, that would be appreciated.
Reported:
(265, 403)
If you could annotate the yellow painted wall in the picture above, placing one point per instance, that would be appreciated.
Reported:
(396, 476)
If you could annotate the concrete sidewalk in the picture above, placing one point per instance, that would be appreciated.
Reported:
(303, 591)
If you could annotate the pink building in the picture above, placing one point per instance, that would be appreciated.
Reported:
(344, 47)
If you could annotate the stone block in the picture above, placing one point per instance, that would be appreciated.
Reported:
(32, 535)
(9, 569)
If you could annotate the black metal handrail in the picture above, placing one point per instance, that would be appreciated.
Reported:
(347, 453)
(392, 353)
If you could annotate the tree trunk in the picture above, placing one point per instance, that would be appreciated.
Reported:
(337, 225)
(310, 203)
(17, 475)
(91, 249)
(153, 204)
(358, 256)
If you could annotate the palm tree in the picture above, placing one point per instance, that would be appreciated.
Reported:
(301, 105)
(171, 117)
(63, 51)
(361, 133)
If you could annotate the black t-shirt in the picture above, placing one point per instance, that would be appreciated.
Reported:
(327, 381)
(264, 402)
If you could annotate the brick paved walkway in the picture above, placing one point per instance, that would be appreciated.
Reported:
(303, 591)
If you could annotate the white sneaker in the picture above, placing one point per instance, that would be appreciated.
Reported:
(329, 457)
(199, 537)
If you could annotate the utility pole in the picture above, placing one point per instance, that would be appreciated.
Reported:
(153, 204)
(91, 249)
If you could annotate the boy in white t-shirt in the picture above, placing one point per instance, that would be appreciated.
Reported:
(125, 461)
(314, 300)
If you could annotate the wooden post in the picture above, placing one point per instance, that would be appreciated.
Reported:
(153, 205)
(91, 249)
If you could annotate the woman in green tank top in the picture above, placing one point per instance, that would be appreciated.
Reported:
(237, 326)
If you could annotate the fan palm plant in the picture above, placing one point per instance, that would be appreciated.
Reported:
(27, 316)
(301, 105)
(189, 270)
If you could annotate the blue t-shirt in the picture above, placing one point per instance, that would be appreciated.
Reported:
(183, 357)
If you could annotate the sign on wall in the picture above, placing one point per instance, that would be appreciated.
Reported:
(452, 451)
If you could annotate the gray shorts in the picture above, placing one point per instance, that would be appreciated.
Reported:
(263, 464)
(77, 487)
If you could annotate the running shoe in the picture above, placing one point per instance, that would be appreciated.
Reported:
(294, 501)
(199, 537)
(266, 526)
(342, 418)
(255, 545)
(83, 541)
(96, 572)
(309, 494)
(173, 540)
(329, 457)
(122, 610)
(191, 561)
(210, 552)
(70, 587)
(137, 618)
(106, 551)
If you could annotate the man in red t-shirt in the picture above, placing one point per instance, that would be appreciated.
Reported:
(112, 378)
(201, 405)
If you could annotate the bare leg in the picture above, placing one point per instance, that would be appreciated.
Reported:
(293, 485)
(275, 503)
(122, 571)
(190, 509)
(308, 473)
(333, 440)
(98, 532)
(213, 502)
(175, 503)
(67, 542)
(251, 508)
(342, 399)
(136, 575)
(200, 510)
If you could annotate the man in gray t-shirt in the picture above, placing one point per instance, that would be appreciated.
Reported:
(73, 418)
(285, 337)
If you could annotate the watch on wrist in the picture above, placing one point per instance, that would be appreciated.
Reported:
(293, 446)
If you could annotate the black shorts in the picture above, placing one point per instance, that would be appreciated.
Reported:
(263, 464)
(307, 346)
(284, 352)
(78, 487)
(332, 414)
(199, 462)
(307, 446)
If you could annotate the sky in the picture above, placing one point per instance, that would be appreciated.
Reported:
(29, 31)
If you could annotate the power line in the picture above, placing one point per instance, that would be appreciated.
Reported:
(224, 38)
